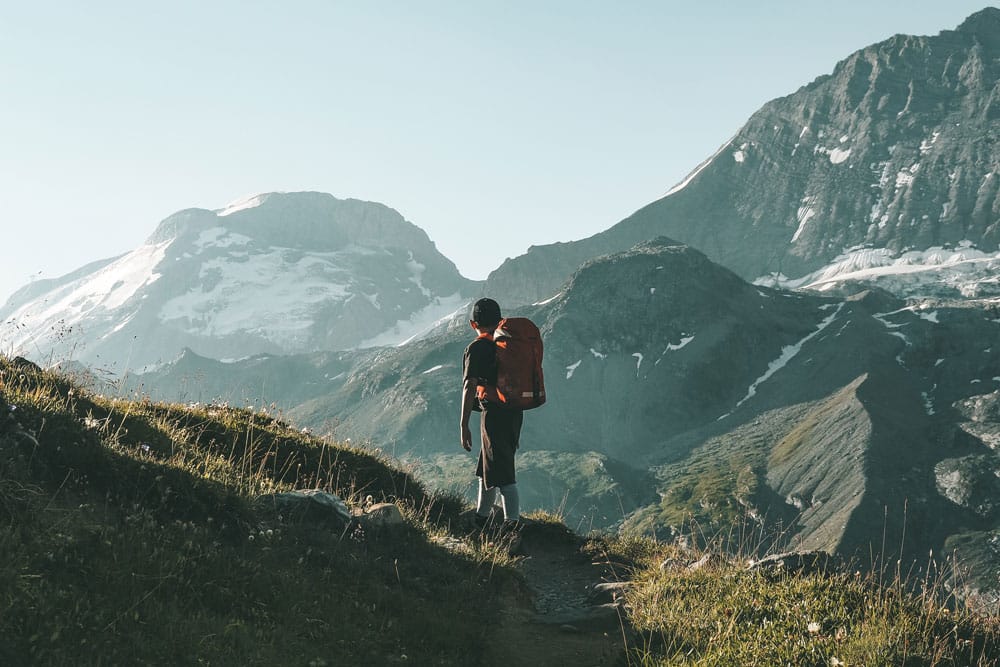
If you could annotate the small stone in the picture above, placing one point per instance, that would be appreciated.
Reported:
(383, 514)
(607, 591)
(671, 564)
(703, 562)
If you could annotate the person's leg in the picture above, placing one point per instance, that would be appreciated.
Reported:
(501, 430)
(486, 500)
(511, 502)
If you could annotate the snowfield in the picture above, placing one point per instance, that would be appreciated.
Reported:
(964, 269)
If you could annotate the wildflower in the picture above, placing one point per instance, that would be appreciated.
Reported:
(145, 448)
(835, 662)
(813, 628)
(251, 537)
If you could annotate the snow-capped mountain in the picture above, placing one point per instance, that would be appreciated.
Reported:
(275, 273)
(890, 163)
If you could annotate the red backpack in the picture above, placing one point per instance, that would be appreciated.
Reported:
(520, 383)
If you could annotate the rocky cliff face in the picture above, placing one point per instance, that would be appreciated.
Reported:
(895, 151)
(277, 273)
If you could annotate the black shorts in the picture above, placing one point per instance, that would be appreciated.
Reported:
(501, 432)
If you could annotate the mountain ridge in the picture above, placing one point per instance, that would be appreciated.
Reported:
(895, 149)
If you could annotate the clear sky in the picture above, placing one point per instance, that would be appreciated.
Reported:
(492, 125)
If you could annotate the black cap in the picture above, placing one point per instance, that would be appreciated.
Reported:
(486, 313)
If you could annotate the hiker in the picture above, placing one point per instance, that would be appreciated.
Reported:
(500, 426)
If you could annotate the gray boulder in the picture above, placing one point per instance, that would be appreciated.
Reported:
(309, 505)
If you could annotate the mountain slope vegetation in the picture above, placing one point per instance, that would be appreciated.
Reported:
(139, 532)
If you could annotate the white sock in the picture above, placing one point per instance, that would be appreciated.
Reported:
(511, 502)
(487, 499)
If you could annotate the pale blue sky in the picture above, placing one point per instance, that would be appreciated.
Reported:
(491, 125)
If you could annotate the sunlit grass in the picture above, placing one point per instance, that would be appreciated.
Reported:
(131, 534)
(726, 614)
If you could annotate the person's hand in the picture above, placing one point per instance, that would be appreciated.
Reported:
(466, 439)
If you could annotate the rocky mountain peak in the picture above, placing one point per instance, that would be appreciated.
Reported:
(887, 162)
(314, 221)
(189, 221)
(985, 22)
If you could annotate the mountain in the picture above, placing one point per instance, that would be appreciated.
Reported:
(694, 394)
(885, 171)
(276, 273)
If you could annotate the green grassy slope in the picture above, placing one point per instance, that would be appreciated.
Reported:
(129, 535)
(135, 533)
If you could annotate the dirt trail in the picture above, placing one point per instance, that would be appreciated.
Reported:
(558, 620)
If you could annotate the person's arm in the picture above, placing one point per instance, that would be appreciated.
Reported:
(468, 406)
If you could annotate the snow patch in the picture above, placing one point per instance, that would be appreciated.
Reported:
(572, 369)
(927, 144)
(242, 205)
(433, 368)
(638, 363)
(963, 268)
(673, 347)
(96, 296)
(267, 294)
(684, 341)
(417, 270)
(788, 353)
(697, 170)
(881, 317)
(739, 156)
(598, 355)
(219, 237)
(438, 312)
(804, 214)
(549, 300)
(838, 155)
